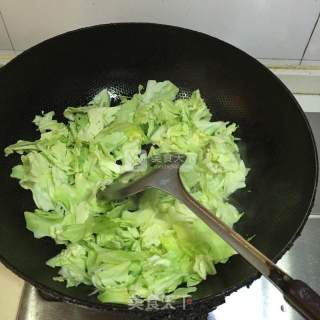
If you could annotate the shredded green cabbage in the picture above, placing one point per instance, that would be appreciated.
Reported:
(160, 248)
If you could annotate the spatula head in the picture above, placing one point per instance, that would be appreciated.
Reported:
(146, 175)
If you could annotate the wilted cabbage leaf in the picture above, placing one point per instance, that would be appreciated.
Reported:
(160, 248)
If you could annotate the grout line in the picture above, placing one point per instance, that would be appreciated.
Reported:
(312, 32)
(7, 31)
(278, 59)
(312, 95)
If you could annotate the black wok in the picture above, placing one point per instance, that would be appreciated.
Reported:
(276, 141)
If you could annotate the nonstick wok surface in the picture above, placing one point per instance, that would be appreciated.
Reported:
(276, 141)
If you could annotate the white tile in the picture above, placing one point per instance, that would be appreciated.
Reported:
(309, 103)
(313, 50)
(264, 28)
(4, 39)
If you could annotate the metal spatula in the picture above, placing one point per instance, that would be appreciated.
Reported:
(162, 172)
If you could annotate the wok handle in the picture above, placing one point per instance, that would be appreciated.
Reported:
(298, 294)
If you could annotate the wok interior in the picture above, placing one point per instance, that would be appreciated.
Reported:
(276, 142)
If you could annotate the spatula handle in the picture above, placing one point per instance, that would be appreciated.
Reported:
(303, 298)
(298, 294)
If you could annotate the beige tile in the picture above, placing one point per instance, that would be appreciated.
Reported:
(266, 29)
(309, 102)
(6, 56)
(11, 288)
(300, 79)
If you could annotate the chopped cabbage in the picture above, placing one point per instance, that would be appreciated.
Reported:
(157, 248)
